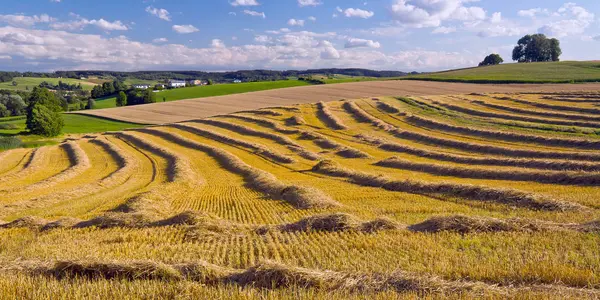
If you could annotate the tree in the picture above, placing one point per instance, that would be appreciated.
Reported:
(91, 104)
(45, 121)
(14, 83)
(4, 112)
(43, 113)
(210, 82)
(148, 96)
(536, 48)
(121, 99)
(492, 59)
(14, 104)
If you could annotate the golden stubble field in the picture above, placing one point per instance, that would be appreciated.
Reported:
(184, 110)
(465, 195)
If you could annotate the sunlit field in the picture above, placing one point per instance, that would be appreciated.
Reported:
(470, 195)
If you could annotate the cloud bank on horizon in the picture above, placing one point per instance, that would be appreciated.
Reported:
(406, 35)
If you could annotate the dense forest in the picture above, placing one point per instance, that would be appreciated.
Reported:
(248, 75)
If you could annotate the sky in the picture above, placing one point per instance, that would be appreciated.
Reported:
(221, 35)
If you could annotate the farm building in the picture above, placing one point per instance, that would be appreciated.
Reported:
(141, 86)
(237, 81)
(176, 83)
(198, 82)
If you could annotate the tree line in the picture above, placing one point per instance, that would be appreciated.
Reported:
(217, 77)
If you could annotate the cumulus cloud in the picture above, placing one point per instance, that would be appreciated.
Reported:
(532, 12)
(303, 3)
(160, 13)
(295, 22)
(22, 20)
(575, 20)
(357, 43)
(358, 13)
(255, 13)
(431, 13)
(313, 19)
(244, 3)
(183, 29)
(80, 23)
(216, 43)
(160, 40)
(51, 49)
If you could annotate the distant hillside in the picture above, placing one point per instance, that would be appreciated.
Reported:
(545, 72)
(244, 75)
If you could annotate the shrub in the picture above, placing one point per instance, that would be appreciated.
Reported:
(10, 142)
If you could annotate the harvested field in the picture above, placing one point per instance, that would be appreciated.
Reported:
(438, 196)
(185, 110)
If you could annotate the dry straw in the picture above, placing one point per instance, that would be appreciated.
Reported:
(328, 118)
(471, 192)
(557, 165)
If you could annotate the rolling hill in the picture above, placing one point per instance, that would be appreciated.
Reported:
(545, 72)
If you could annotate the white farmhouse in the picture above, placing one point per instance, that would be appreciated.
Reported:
(141, 86)
(176, 83)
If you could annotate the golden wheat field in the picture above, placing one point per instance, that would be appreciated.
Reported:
(460, 196)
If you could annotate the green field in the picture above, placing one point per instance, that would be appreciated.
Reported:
(30, 82)
(211, 90)
(546, 72)
(74, 124)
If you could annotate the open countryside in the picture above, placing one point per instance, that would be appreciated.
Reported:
(243, 149)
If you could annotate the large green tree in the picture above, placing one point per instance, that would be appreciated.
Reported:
(492, 59)
(121, 99)
(148, 96)
(43, 113)
(536, 48)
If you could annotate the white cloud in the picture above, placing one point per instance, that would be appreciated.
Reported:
(106, 25)
(81, 23)
(496, 17)
(597, 38)
(357, 43)
(576, 20)
(51, 50)
(444, 30)
(358, 13)
(22, 20)
(160, 40)
(232, 13)
(185, 29)
(295, 22)
(313, 19)
(5, 57)
(55, 1)
(329, 51)
(216, 43)
(431, 13)
(161, 13)
(303, 3)
(244, 3)
(532, 12)
(255, 13)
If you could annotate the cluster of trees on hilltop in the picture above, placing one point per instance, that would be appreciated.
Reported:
(63, 86)
(108, 89)
(530, 48)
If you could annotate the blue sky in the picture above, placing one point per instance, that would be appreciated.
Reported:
(218, 35)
